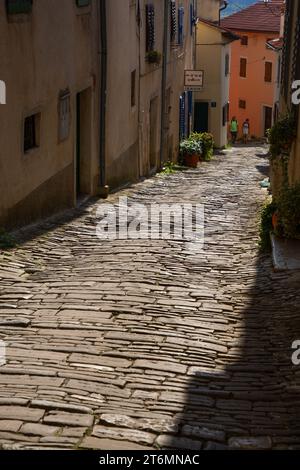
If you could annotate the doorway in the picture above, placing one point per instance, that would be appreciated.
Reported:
(268, 116)
(83, 142)
(153, 133)
(201, 116)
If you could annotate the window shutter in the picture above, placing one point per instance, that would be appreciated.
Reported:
(18, 6)
(83, 3)
(173, 19)
(243, 68)
(192, 18)
(268, 71)
(182, 117)
(180, 25)
(150, 27)
(64, 115)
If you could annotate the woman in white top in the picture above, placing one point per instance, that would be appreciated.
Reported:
(246, 130)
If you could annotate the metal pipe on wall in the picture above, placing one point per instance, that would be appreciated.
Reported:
(103, 97)
(164, 79)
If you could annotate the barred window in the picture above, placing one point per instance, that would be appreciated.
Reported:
(180, 25)
(150, 27)
(173, 19)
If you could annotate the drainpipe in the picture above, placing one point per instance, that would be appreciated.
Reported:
(222, 9)
(164, 80)
(103, 189)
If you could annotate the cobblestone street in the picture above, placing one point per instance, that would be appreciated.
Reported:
(143, 344)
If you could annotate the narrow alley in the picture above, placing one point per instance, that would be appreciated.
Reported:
(141, 344)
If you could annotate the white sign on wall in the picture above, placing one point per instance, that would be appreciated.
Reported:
(193, 80)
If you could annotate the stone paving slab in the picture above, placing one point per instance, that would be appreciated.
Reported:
(145, 344)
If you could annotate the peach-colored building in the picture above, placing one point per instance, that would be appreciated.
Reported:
(254, 66)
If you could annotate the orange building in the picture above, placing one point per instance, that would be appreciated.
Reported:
(254, 65)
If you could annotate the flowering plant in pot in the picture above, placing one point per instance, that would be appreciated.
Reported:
(207, 144)
(191, 151)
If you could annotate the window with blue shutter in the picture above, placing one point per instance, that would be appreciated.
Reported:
(180, 25)
(18, 6)
(150, 27)
(173, 20)
(83, 3)
(182, 121)
(192, 18)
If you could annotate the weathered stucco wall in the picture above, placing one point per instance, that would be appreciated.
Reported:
(43, 53)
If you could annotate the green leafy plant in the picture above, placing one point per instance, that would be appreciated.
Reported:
(288, 212)
(171, 167)
(153, 57)
(207, 143)
(190, 147)
(6, 240)
(266, 225)
(281, 136)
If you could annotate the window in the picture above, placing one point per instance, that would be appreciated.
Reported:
(150, 27)
(243, 68)
(242, 104)
(180, 25)
(83, 3)
(227, 65)
(18, 6)
(173, 20)
(64, 115)
(31, 132)
(133, 85)
(244, 41)
(268, 71)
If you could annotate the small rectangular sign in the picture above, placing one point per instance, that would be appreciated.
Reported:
(193, 79)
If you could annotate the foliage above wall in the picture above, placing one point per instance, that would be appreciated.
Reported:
(281, 136)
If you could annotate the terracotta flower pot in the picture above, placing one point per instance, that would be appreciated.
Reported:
(191, 160)
(275, 220)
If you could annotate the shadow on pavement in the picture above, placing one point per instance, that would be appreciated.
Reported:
(253, 402)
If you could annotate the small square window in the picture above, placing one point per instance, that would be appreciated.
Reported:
(244, 40)
(31, 132)
(242, 104)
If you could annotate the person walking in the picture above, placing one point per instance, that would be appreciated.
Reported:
(246, 131)
(234, 128)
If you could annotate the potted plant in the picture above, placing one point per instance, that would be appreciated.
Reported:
(191, 151)
(207, 144)
(153, 57)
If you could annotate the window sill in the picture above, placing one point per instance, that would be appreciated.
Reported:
(19, 17)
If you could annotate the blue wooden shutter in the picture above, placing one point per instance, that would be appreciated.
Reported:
(182, 132)
(192, 18)
(180, 25)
